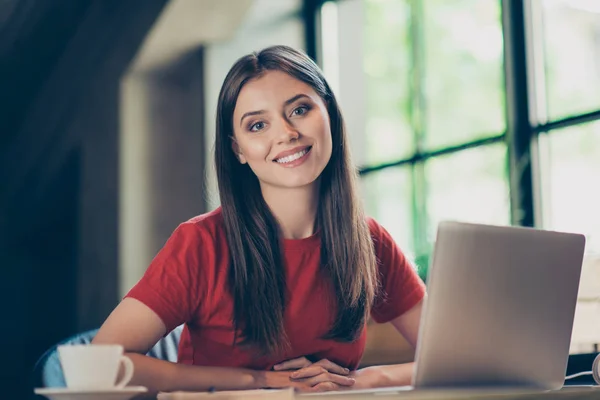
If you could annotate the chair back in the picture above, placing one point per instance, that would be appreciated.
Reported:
(48, 372)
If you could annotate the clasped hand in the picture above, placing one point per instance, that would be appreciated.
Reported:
(319, 376)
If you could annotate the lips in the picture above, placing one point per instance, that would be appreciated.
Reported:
(291, 155)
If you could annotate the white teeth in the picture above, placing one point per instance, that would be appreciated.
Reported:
(291, 158)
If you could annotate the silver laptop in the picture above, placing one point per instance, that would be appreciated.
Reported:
(500, 309)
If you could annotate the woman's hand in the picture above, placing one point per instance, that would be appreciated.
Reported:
(303, 363)
(368, 378)
(383, 376)
(365, 378)
(322, 375)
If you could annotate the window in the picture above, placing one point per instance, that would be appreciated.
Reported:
(391, 190)
(462, 70)
(571, 41)
(435, 117)
(571, 198)
(387, 73)
(468, 185)
(439, 127)
(567, 93)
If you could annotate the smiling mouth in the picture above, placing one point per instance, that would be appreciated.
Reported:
(293, 157)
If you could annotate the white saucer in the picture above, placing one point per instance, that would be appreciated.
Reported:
(91, 394)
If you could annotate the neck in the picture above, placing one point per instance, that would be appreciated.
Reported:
(295, 209)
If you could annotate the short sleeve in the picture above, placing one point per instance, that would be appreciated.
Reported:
(400, 285)
(171, 286)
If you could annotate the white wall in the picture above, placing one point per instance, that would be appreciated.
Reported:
(349, 77)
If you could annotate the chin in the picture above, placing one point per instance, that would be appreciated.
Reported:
(294, 183)
(292, 179)
(297, 184)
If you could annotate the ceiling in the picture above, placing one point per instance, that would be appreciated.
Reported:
(185, 25)
(34, 35)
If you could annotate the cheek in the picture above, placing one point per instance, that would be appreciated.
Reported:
(325, 134)
(318, 127)
(255, 150)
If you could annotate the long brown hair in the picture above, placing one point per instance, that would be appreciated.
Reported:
(256, 277)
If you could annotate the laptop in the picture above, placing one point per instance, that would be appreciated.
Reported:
(500, 308)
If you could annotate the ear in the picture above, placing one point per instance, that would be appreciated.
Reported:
(236, 149)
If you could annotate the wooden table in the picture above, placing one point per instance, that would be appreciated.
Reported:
(581, 393)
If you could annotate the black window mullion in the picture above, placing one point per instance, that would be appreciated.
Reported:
(519, 132)
(424, 156)
(568, 122)
(310, 12)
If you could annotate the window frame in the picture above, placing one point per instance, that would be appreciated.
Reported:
(524, 112)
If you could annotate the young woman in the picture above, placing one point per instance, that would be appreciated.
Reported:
(276, 285)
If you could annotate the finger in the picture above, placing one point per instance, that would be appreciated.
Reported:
(302, 387)
(295, 363)
(325, 387)
(332, 367)
(308, 372)
(329, 377)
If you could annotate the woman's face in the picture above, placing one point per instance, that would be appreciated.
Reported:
(281, 130)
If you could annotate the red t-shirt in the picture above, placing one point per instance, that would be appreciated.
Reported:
(187, 283)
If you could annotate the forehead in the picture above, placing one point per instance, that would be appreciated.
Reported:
(271, 90)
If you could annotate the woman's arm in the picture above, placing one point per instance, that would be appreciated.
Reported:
(137, 328)
(394, 375)
(408, 323)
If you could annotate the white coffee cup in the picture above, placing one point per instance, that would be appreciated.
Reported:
(94, 366)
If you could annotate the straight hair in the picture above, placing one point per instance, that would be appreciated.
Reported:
(256, 275)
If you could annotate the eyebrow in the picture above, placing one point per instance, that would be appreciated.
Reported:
(287, 103)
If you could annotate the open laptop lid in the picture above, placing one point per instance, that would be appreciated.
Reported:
(500, 307)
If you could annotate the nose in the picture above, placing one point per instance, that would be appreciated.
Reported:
(288, 132)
